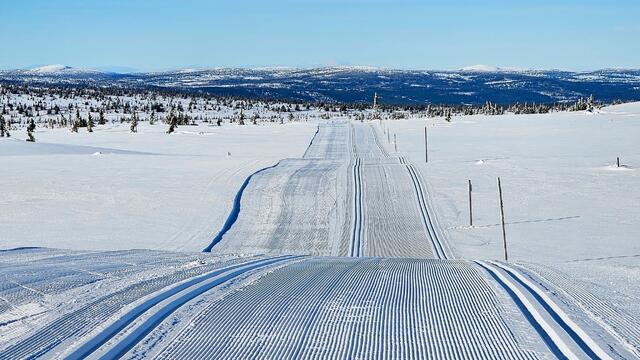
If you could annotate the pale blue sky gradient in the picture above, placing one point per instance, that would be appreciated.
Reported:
(408, 34)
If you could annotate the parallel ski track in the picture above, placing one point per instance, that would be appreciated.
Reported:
(176, 297)
(620, 325)
(383, 151)
(357, 226)
(85, 319)
(373, 182)
(432, 234)
(345, 308)
(562, 335)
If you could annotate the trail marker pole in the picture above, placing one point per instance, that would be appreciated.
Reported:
(395, 142)
(470, 205)
(388, 136)
(618, 161)
(426, 147)
(504, 233)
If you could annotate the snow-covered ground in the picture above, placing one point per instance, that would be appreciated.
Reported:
(564, 197)
(116, 190)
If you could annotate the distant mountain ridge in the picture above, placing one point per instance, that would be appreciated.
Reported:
(356, 84)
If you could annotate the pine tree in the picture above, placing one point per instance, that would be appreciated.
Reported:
(448, 118)
(172, 120)
(134, 123)
(90, 123)
(101, 120)
(2, 126)
(76, 124)
(152, 118)
(241, 122)
(30, 129)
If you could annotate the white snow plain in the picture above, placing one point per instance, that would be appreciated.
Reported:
(112, 189)
(564, 197)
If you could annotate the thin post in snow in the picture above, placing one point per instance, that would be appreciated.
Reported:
(388, 136)
(504, 233)
(395, 142)
(470, 205)
(618, 161)
(426, 146)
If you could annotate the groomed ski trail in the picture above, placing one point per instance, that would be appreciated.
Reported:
(384, 220)
(355, 308)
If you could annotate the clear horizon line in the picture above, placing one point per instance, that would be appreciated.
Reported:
(311, 67)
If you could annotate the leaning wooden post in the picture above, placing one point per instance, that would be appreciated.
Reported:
(395, 142)
(504, 233)
(426, 147)
(470, 206)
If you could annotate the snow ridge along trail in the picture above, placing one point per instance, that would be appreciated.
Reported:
(563, 336)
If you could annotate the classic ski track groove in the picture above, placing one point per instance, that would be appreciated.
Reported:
(622, 326)
(81, 321)
(161, 306)
(563, 336)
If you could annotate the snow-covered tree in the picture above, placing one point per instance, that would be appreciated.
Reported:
(172, 120)
(101, 120)
(30, 129)
(90, 123)
(2, 126)
(134, 123)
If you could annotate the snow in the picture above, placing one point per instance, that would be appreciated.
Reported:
(567, 205)
(47, 69)
(115, 190)
(329, 188)
(564, 197)
(480, 68)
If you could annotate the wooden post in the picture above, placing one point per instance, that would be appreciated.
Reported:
(388, 137)
(426, 147)
(618, 161)
(470, 206)
(395, 142)
(504, 233)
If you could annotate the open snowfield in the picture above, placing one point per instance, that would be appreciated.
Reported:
(564, 197)
(115, 190)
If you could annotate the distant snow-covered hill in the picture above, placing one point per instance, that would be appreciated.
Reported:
(470, 85)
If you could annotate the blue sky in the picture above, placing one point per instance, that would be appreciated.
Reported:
(429, 34)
